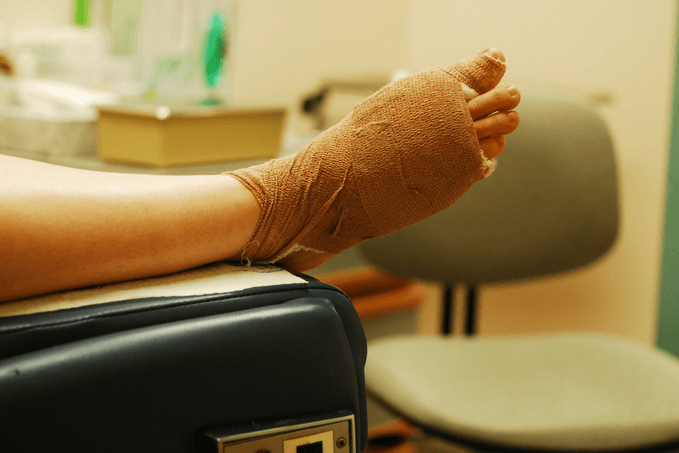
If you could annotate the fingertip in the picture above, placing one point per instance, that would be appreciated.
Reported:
(495, 53)
(514, 118)
(493, 146)
(502, 141)
(481, 72)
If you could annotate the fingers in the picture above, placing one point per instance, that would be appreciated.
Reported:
(493, 114)
(497, 99)
(492, 146)
(495, 53)
(494, 117)
(501, 123)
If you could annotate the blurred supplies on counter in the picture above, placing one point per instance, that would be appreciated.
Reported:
(52, 79)
(68, 54)
(158, 53)
(159, 135)
(53, 133)
(183, 50)
(49, 117)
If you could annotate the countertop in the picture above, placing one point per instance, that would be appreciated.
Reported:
(93, 162)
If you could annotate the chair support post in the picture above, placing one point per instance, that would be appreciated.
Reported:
(448, 303)
(472, 311)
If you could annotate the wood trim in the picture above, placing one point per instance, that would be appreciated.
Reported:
(376, 293)
(398, 428)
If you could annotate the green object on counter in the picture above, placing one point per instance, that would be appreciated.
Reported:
(81, 12)
(214, 50)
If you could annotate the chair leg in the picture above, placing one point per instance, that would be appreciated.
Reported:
(448, 309)
(472, 310)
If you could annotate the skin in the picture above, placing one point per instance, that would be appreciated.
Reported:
(64, 228)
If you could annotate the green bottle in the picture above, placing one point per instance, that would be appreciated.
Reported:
(214, 56)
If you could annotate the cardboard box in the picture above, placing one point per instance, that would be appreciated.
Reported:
(170, 136)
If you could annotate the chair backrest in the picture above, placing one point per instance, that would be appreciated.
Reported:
(551, 205)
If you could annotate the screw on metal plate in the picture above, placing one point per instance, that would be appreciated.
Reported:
(341, 442)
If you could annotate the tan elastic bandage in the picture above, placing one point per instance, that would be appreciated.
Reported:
(404, 154)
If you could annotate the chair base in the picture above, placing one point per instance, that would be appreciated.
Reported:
(406, 429)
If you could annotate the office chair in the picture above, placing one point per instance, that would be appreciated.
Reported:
(551, 206)
(221, 358)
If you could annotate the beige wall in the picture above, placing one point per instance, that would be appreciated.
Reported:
(285, 48)
(16, 15)
(622, 47)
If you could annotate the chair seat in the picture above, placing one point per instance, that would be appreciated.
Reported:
(563, 392)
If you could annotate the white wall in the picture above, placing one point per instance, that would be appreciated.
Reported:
(622, 47)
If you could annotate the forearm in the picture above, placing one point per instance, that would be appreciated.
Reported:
(63, 228)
